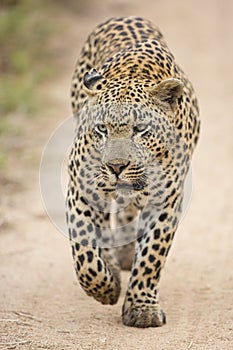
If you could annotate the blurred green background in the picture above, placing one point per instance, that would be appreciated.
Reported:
(32, 55)
(24, 36)
(26, 29)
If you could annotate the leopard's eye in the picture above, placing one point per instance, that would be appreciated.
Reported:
(141, 128)
(101, 128)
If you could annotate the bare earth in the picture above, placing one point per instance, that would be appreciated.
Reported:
(41, 304)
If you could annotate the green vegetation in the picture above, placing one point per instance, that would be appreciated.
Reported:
(24, 55)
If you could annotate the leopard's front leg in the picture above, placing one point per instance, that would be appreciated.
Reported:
(96, 268)
(141, 306)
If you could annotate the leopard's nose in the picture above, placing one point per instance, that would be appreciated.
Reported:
(118, 165)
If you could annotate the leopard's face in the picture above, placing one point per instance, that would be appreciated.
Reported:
(131, 146)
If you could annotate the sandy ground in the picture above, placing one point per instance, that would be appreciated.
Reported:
(41, 305)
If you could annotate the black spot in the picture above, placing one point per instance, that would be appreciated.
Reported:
(79, 223)
(84, 242)
(168, 184)
(144, 252)
(140, 234)
(151, 258)
(148, 282)
(141, 285)
(156, 233)
(162, 251)
(90, 256)
(155, 246)
(119, 27)
(157, 274)
(95, 197)
(148, 301)
(147, 271)
(74, 233)
(72, 217)
(179, 155)
(88, 278)
(73, 251)
(152, 225)
(174, 202)
(90, 228)
(94, 243)
(83, 200)
(135, 272)
(150, 51)
(139, 25)
(99, 265)
(134, 284)
(87, 213)
(145, 214)
(107, 216)
(81, 259)
(180, 126)
(163, 217)
(92, 272)
(142, 264)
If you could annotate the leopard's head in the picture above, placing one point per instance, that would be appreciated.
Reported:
(133, 140)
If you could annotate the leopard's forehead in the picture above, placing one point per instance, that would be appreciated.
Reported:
(121, 113)
(126, 114)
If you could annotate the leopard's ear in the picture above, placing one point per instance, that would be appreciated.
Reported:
(92, 81)
(169, 91)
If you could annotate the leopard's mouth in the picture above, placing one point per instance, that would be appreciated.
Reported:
(122, 187)
(127, 186)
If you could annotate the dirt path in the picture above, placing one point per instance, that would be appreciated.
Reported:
(41, 305)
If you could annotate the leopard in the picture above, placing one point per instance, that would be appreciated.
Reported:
(137, 125)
